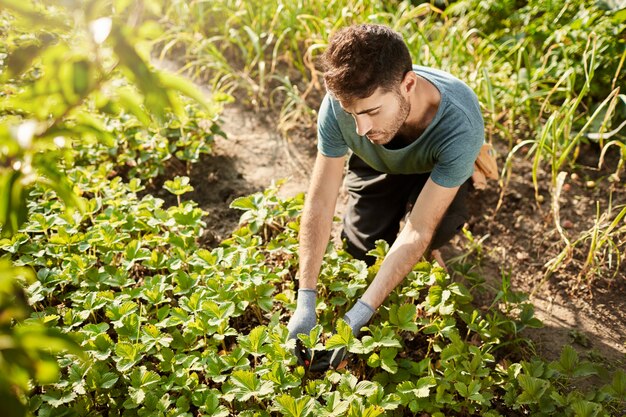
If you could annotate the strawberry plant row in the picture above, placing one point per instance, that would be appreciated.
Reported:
(173, 329)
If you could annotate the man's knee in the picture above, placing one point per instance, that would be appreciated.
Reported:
(357, 250)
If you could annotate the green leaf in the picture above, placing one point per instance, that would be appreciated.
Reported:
(13, 210)
(283, 378)
(342, 338)
(533, 389)
(403, 317)
(179, 186)
(462, 389)
(569, 364)
(210, 404)
(291, 407)
(617, 388)
(311, 340)
(127, 355)
(366, 388)
(142, 378)
(134, 252)
(256, 342)
(583, 408)
(245, 385)
(420, 389)
(244, 203)
(135, 398)
(57, 398)
(387, 360)
(108, 380)
(101, 347)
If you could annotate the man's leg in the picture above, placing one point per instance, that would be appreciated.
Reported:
(377, 203)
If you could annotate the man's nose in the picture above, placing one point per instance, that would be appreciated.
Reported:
(363, 124)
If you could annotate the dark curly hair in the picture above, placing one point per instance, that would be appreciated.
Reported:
(361, 58)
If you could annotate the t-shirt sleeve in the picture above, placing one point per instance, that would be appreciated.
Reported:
(456, 162)
(330, 141)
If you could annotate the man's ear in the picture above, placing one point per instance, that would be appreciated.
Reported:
(409, 82)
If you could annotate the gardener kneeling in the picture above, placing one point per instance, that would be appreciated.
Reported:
(414, 133)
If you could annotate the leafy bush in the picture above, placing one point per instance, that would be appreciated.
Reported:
(65, 70)
(173, 329)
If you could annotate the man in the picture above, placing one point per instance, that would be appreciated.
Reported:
(415, 133)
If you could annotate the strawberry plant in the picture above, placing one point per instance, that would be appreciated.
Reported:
(115, 308)
(171, 328)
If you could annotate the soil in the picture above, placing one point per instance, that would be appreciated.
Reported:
(518, 239)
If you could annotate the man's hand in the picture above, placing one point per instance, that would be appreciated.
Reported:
(358, 316)
(303, 321)
(304, 318)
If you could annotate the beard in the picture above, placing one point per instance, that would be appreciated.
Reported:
(385, 135)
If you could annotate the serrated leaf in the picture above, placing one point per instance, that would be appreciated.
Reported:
(618, 385)
(403, 317)
(245, 384)
(108, 380)
(254, 342)
(533, 388)
(365, 388)
(568, 361)
(291, 407)
(343, 337)
(419, 389)
(387, 360)
(583, 408)
(57, 398)
(141, 377)
(243, 203)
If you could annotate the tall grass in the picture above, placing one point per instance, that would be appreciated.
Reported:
(548, 74)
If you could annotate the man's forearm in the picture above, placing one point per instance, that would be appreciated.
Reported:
(317, 217)
(403, 255)
(314, 235)
(412, 242)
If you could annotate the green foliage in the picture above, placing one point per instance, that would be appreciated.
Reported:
(76, 90)
(549, 76)
(169, 328)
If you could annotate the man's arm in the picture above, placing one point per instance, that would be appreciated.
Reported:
(413, 240)
(319, 209)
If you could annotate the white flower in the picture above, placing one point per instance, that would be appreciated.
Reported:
(100, 29)
(24, 133)
(59, 141)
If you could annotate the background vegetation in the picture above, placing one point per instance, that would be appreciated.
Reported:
(108, 304)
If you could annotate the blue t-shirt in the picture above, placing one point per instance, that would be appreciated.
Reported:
(447, 148)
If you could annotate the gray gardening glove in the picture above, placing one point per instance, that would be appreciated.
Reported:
(303, 321)
(358, 316)
(304, 318)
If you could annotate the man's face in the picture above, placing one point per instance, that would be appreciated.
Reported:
(380, 116)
